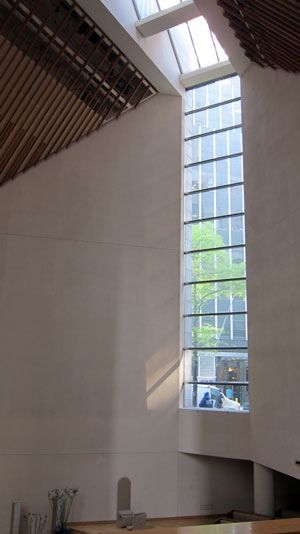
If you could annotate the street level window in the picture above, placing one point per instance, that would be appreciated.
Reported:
(215, 298)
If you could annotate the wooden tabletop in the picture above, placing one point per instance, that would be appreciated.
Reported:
(277, 526)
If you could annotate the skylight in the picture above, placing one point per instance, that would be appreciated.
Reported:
(195, 46)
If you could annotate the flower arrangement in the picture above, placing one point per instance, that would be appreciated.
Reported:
(62, 499)
(35, 523)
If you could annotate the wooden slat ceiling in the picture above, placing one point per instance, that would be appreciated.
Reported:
(61, 78)
(268, 30)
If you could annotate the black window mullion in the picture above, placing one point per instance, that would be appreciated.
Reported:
(212, 132)
(239, 279)
(214, 314)
(190, 221)
(211, 160)
(219, 349)
(228, 247)
(225, 186)
(219, 104)
(215, 383)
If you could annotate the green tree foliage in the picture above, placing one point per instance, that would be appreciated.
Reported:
(209, 266)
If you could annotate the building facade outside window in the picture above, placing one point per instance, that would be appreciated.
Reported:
(215, 301)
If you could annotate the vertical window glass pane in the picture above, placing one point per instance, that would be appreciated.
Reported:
(212, 331)
(207, 147)
(215, 265)
(236, 169)
(207, 205)
(207, 234)
(221, 172)
(222, 202)
(213, 297)
(235, 397)
(213, 93)
(213, 146)
(235, 141)
(237, 199)
(215, 301)
(237, 230)
(222, 229)
(221, 144)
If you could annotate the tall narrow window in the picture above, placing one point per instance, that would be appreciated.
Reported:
(215, 301)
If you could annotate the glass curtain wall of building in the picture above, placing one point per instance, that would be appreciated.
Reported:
(215, 301)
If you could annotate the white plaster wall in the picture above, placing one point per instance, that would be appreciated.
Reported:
(223, 434)
(271, 118)
(89, 320)
(210, 485)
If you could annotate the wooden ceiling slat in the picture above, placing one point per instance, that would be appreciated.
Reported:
(79, 107)
(246, 38)
(85, 116)
(54, 126)
(264, 22)
(57, 100)
(272, 24)
(35, 157)
(9, 15)
(110, 108)
(23, 26)
(101, 105)
(288, 64)
(41, 71)
(6, 132)
(285, 52)
(4, 22)
(61, 78)
(130, 97)
(280, 17)
(288, 57)
(34, 113)
(142, 95)
(260, 19)
(20, 124)
(27, 50)
(288, 8)
(18, 161)
(10, 150)
(263, 50)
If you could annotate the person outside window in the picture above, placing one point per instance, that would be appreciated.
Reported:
(206, 401)
(220, 399)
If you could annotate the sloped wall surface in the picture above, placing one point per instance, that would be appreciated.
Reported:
(89, 320)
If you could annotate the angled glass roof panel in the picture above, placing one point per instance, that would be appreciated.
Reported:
(220, 51)
(184, 48)
(145, 8)
(195, 46)
(203, 42)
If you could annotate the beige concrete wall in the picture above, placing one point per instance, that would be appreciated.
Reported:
(271, 118)
(214, 433)
(210, 485)
(89, 320)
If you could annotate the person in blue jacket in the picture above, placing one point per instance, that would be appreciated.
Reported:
(206, 401)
